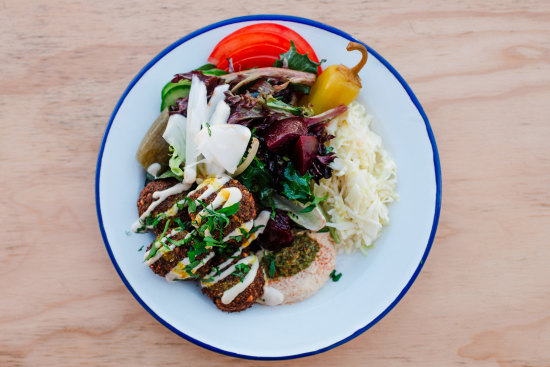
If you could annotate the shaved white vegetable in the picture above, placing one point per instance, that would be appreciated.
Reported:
(362, 184)
(223, 145)
(196, 117)
(217, 96)
(175, 133)
(221, 114)
(314, 220)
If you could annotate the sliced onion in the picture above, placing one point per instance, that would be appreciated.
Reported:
(196, 117)
(223, 145)
(217, 96)
(249, 157)
(221, 114)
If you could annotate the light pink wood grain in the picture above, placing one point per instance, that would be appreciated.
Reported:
(481, 69)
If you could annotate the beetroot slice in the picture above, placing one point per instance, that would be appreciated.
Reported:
(283, 133)
(277, 232)
(305, 151)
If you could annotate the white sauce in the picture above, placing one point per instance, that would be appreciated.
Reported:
(154, 169)
(271, 296)
(179, 271)
(247, 260)
(262, 220)
(247, 226)
(227, 197)
(225, 263)
(230, 294)
(214, 184)
(160, 196)
(161, 250)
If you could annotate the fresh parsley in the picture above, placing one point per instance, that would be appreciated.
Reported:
(335, 277)
(158, 243)
(296, 187)
(241, 270)
(270, 258)
(257, 179)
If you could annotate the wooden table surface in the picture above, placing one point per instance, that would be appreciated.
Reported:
(481, 69)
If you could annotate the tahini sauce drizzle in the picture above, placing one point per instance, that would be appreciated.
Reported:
(272, 296)
(160, 196)
(230, 294)
(226, 197)
(161, 250)
(179, 272)
(154, 169)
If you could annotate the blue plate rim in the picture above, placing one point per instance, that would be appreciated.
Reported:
(289, 18)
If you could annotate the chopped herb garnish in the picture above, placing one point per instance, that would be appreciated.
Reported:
(191, 204)
(241, 270)
(179, 223)
(236, 238)
(229, 210)
(272, 267)
(208, 127)
(335, 277)
(141, 248)
(270, 259)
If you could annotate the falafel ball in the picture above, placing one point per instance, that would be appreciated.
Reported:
(146, 199)
(238, 278)
(246, 212)
(169, 259)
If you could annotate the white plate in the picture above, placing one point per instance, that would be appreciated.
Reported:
(370, 286)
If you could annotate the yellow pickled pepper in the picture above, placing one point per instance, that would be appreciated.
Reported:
(338, 84)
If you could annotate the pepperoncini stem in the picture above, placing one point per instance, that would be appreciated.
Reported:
(356, 46)
(337, 85)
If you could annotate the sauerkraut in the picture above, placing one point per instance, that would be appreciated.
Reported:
(363, 182)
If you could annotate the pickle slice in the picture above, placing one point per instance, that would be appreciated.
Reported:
(153, 147)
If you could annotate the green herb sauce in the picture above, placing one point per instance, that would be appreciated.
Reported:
(293, 259)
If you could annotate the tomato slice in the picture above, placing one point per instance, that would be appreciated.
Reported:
(266, 54)
(262, 42)
(255, 62)
(229, 45)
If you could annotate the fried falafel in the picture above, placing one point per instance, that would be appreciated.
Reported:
(235, 285)
(146, 199)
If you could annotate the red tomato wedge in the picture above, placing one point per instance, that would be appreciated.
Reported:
(266, 54)
(258, 45)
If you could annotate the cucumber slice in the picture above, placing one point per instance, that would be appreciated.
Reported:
(177, 91)
(171, 85)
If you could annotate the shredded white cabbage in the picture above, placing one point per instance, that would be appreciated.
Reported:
(362, 184)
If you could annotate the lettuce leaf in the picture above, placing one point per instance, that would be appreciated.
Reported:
(210, 69)
(276, 104)
(297, 61)
(175, 135)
